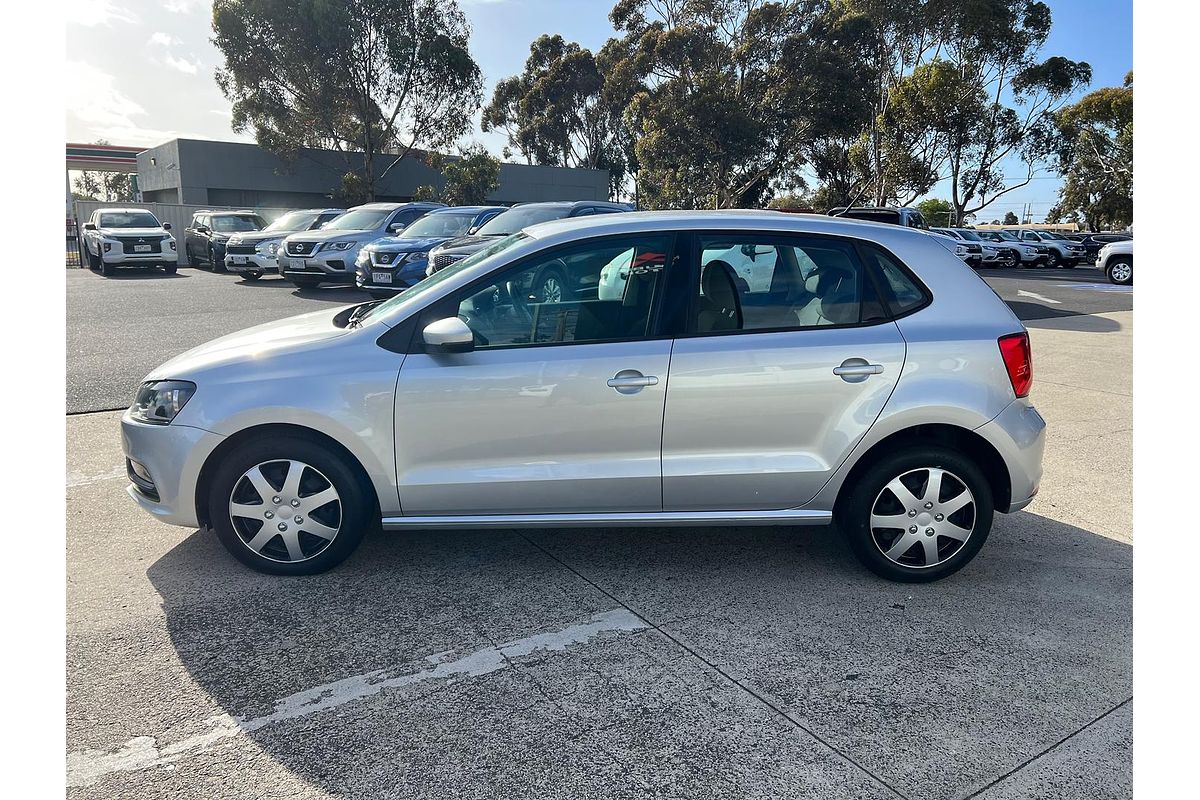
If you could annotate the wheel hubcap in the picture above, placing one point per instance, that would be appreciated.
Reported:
(923, 517)
(551, 291)
(1121, 272)
(306, 503)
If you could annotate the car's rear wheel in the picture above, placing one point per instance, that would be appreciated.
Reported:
(288, 506)
(1120, 271)
(305, 283)
(918, 515)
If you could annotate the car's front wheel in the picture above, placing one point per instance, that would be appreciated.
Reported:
(1053, 260)
(304, 282)
(288, 506)
(251, 276)
(216, 264)
(918, 515)
(1120, 271)
(170, 269)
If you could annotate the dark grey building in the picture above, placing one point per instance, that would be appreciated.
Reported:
(200, 172)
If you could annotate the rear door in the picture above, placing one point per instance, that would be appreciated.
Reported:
(788, 360)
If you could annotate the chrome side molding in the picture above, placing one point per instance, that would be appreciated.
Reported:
(791, 516)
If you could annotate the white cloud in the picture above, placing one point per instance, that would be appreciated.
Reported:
(91, 13)
(182, 64)
(93, 98)
(186, 6)
(160, 39)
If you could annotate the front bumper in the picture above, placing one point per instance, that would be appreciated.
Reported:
(403, 277)
(335, 266)
(115, 259)
(1019, 434)
(252, 263)
(172, 455)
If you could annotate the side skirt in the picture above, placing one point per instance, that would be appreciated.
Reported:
(615, 520)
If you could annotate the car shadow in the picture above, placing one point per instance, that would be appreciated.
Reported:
(141, 274)
(1032, 313)
(332, 294)
(1015, 651)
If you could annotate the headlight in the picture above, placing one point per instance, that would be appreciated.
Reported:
(268, 248)
(418, 256)
(338, 245)
(960, 250)
(363, 259)
(158, 402)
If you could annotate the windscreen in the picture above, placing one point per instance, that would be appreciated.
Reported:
(237, 224)
(293, 221)
(440, 224)
(520, 217)
(360, 219)
(129, 219)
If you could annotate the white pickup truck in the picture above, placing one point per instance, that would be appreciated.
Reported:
(128, 237)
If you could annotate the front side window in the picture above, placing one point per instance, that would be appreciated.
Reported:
(599, 291)
(775, 283)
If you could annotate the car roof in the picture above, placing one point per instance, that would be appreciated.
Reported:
(573, 204)
(727, 220)
(123, 210)
(246, 212)
(394, 206)
(468, 209)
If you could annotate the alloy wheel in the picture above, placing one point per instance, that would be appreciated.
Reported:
(285, 510)
(922, 517)
(552, 291)
(1122, 272)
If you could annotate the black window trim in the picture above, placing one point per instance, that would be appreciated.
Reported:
(692, 266)
(448, 306)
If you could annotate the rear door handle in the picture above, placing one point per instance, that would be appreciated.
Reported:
(630, 381)
(856, 370)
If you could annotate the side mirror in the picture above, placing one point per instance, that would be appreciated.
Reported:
(166, 226)
(473, 230)
(449, 335)
(396, 227)
(89, 226)
(201, 229)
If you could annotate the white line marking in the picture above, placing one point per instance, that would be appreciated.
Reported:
(1036, 296)
(84, 767)
(77, 478)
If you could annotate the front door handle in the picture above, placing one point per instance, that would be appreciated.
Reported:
(630, 381)
(857, 370)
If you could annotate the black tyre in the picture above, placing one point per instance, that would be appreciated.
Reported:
(1053, 260)
(918, 515)
(188, 259)
(170, 269)
(304, 282)
(1011, 259)
(375, 294)
(93, 261)
(251, 276)
(217, 266)
(286, 505)
(106, 270)
(1120, 270)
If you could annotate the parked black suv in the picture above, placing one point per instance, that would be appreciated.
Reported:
(1092, 242)
(513, 220)
(204, 240)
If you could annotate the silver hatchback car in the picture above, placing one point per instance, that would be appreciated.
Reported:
(706, 368)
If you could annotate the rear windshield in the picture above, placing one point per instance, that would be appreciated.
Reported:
(129, 219)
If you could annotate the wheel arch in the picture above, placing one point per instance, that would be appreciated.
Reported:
(204, 481)
(953, 437)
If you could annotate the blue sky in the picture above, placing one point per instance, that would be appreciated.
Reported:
(140, 71)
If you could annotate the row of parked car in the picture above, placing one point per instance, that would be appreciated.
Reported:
(385, 248)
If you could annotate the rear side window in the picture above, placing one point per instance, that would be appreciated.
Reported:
(901, 292)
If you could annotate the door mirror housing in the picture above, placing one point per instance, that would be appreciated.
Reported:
(201, 229)
(166, 226)
(473, 230)
(396, 227)
(449, 335)
(89, 226)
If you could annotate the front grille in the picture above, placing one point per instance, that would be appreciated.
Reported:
(301, 248)
(975, 248)
(384, 258)
(128, 243)
(240, 249)
(443, 260)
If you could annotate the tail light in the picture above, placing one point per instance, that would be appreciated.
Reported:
(1018, 360)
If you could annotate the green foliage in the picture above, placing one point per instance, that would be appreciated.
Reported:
(358, 76)
(723, 97)
(936, 211)
(790, 200)
(470, 178)
(1011, 219)
(556, 111)
(1093, 147)
(108, 187)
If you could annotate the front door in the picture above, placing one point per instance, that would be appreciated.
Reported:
(789, 360)
(558, 409)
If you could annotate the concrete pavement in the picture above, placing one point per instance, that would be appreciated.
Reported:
(739, 662)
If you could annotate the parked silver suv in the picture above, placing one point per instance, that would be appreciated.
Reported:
(710, 368)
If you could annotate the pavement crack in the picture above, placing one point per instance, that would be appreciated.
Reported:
(719, 670)
(1046, 751)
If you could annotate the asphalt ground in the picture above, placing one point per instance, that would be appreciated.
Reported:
(118, 329)
(727, 662)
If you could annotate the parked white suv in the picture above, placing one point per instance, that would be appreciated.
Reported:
(128, 237)
(1116, 262)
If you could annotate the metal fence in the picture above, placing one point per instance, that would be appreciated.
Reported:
(178, 216)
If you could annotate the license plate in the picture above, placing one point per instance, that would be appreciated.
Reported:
(295, 263)
(239, 259)
(381, 277)
(141, 248)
